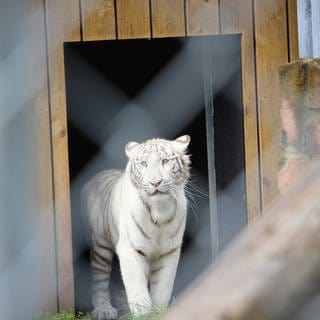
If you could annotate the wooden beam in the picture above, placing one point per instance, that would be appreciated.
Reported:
(63, 24)
(168, 18)
(271, 51)
(133, 19)
(293, 30)
(202, 17)
(44, 251)
(270, 271)
(98, 19)
(237, 18)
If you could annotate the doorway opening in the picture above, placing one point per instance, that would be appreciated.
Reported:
(132, 90)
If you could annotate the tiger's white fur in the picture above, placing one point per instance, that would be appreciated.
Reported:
(139, 213)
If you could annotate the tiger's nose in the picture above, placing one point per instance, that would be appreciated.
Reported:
(155, 183)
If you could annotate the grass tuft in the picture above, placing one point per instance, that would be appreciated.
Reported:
(63, 316)
(151, 313)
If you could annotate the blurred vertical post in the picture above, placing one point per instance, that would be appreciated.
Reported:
(27, 254)
(309, 28)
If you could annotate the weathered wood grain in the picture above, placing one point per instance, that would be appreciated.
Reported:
(239, 19)
(63, 24)
(168, 18)
(98, 20)
(293, 30)
(43, 217)
(133, 19)
(202, 17)
(271, 50)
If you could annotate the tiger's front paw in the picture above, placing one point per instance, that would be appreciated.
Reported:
(105, 312)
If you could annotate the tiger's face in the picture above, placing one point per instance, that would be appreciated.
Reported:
(158, 166)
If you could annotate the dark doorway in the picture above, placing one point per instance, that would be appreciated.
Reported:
(133, 90)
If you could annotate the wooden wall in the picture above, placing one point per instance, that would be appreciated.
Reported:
(269, 38)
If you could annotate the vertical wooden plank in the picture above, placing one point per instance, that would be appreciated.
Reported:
(133, 19)
(44, 185)
(41, 171)
(63, 24)
(98, 19)
(293, 29)
(237, 18)
(202, 17)
(271, 51)
(168, 18)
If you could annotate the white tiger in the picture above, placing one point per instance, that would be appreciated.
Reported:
(139, 213)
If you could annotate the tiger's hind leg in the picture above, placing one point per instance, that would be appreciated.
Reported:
(101, 259)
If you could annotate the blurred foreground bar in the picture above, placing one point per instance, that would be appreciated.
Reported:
(270, 271)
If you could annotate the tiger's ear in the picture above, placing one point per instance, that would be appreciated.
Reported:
(181, 143)
(130, 148)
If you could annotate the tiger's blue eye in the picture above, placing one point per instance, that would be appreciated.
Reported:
(144, 163)
(164, 161)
